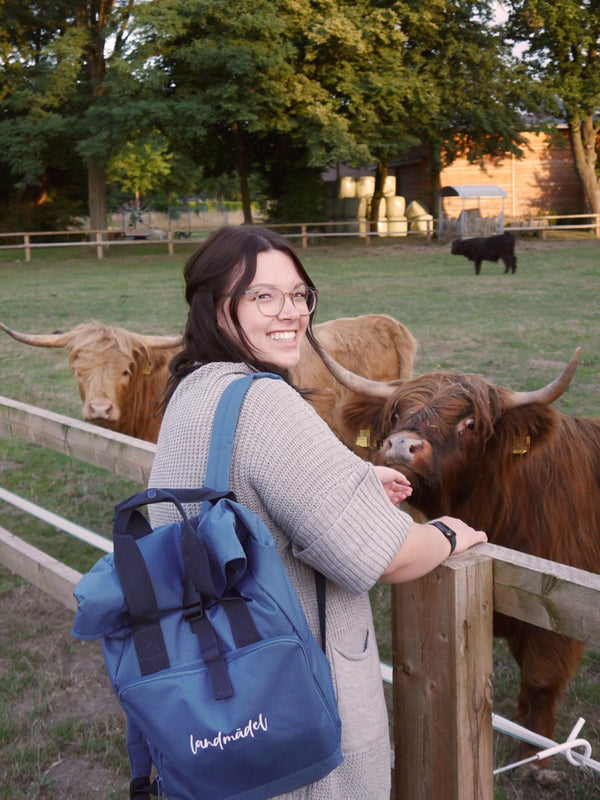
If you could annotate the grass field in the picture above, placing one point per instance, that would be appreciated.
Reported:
(59, 731)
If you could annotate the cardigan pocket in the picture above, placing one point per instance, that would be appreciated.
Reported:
(359, 688)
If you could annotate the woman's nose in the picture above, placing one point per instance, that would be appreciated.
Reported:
(288, 310)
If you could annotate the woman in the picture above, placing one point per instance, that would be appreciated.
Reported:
(251, 302)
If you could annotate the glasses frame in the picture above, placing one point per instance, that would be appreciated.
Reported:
(311, 292)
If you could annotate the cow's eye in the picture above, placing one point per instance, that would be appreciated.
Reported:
(395, 417)
(466, 424)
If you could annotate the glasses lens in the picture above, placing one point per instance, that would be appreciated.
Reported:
(271, 300)
(310, 300)
(304, 300)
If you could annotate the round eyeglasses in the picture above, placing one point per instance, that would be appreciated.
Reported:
(270, 300)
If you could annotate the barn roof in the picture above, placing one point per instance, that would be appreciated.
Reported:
(473, 190)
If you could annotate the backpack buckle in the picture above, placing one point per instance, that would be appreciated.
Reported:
(193, 602)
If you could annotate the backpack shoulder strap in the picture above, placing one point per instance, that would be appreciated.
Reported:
(218, 469)
(224, 426)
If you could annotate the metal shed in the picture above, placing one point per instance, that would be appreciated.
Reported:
(469, 192)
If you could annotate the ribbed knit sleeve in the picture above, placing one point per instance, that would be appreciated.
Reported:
(329, 502)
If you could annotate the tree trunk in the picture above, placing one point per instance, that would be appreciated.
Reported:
(582, 135)
(435, 171)
(241, 167)
(380, 178)
(93, 18)
(96, 195)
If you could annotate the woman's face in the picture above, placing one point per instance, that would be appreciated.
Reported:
(274, 339)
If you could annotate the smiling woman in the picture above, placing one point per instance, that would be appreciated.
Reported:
(274, 313)
(251, 302)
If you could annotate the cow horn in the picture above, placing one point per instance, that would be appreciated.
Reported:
(37, 339)
(356, 383)
(163, 341)
(547, 394)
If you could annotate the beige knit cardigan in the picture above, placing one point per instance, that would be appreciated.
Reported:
(327, 511)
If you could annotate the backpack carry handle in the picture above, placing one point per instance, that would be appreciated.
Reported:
(128, 521)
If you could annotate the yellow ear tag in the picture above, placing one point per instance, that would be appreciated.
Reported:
(148, 370)
(521, 445)
(364, 438)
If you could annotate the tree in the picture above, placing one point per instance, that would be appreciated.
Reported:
(54, 58)
(226, 74)
(481, 90)
(415, 71)
(141, 165)
(239, 82)
(561, 40)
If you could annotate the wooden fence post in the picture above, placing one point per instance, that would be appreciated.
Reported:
(27, 243)
(99, 251)
(442, 639)
(304, 237)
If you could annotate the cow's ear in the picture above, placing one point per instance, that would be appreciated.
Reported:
(363, 412)
(522, 430)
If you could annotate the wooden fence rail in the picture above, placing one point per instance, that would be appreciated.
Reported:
(442, 623)
(302, 232)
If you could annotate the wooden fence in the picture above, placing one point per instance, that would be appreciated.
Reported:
(442, 666)
(301, 233)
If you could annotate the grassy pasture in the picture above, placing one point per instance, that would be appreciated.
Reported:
(517, 330)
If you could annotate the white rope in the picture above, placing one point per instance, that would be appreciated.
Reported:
(548, 746)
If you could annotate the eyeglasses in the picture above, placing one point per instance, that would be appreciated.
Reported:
(270, 300)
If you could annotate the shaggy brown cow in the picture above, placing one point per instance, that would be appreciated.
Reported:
(122, 375)
(507, 463)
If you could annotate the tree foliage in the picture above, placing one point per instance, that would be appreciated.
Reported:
(560, 42)
(54, 58)
(273, 90)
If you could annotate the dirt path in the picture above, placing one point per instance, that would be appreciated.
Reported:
(66, 729)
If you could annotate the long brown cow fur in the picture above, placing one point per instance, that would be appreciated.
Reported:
(455, 439)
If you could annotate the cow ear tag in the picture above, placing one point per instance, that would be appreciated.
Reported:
(521, 445)
(148, 370)
(364, 438)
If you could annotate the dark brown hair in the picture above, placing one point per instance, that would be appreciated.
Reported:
(225, 264)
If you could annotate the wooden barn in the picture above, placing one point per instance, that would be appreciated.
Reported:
(543, 181)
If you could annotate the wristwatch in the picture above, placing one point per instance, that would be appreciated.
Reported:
(448, 533)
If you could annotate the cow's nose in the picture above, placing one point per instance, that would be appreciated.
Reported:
(99, 409)
(402, 449)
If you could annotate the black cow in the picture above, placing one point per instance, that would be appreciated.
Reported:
(488, 248)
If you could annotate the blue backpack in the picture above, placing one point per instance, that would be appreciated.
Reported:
(209, 653)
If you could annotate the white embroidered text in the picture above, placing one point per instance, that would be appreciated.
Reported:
(222, 739)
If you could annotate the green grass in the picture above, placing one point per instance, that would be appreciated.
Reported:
(517, 330)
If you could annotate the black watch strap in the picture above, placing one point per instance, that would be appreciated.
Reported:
(448, 533)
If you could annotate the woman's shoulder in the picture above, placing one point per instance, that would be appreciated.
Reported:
(208, 377)
(207, 383)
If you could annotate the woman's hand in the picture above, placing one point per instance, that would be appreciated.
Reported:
(396, 485)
